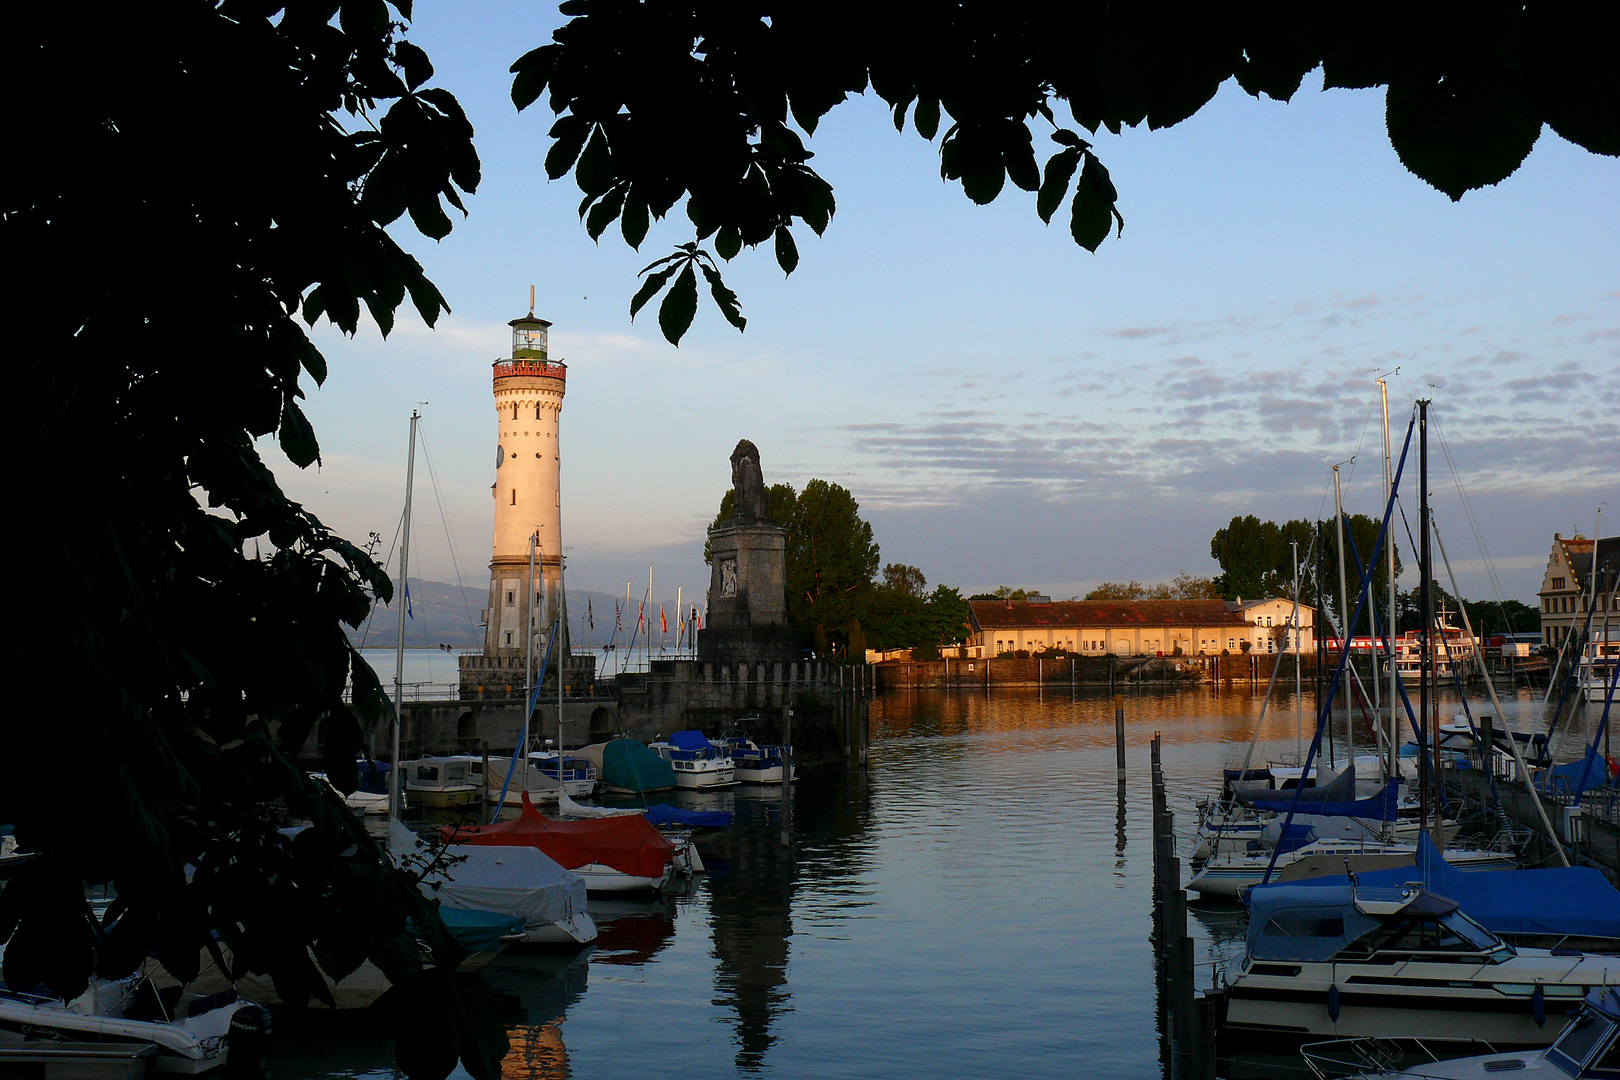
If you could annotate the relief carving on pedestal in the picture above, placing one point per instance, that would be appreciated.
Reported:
(728, 577)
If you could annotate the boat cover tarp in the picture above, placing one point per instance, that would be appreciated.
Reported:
(1295, 922)
(1341, 789)
(1574, 900)
(628, 844)
(629, 765)
(373, 776)
(522, 882)
(1383, 806)
(479, 931)
(690, 740)
(1594, 767)
(694, 819)
(570, 808)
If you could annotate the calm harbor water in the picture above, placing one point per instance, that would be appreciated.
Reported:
(976, 903)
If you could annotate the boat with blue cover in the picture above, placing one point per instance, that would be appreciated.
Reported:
(698, 763)
(1344, 960)
(753, 763)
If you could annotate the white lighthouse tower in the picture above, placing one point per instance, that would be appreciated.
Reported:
(529, 391)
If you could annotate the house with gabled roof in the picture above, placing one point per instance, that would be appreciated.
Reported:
(1567, 585)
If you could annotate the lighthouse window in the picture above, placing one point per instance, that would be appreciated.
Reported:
(537, 411)
(514, 496)
(514, 410)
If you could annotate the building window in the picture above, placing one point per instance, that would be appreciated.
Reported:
(514, 410)
(509, 596)
(1558, 583)
(537, 411)
(514, 496)
(509, 637)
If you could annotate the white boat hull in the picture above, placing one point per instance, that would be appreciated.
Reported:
(580, 929)
(1229, 875)
(601, 878)
(187, 1047)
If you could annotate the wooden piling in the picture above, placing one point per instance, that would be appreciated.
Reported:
(1119, 737)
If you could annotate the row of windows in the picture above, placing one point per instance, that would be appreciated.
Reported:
(537, 407)
(1566, 604)
(558, 494)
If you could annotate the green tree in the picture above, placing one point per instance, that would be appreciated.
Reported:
(904, 579)
(236, 177)
(1361, 534)
(657, 104)
(1118, 590)
(831, 557)
(781, 502)
(1005, 592)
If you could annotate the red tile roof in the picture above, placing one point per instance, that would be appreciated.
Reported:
(1000, 615)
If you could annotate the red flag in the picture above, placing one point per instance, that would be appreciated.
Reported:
(697, 620)
(641, 616)
(663, 622)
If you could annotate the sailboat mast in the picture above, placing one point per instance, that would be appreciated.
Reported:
(1299, 723)
(1391, 746)
(529, 635)
(1344, 607)
(394, 781)
(1426, 605)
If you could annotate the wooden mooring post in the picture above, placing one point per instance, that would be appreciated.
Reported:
(1189, 1021)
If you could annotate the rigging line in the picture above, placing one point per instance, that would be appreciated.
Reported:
(1361, 440)
(444, 519)
(1473, 525)
(366, 630)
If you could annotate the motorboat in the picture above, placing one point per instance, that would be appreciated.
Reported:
(1229, 873)
(1336, 961)
(361, 802)
(1586, 1049)
(616, 854)
(527, 778)
(698, 763)
(441, 782)
(753, 764)
(627, 767)
(1596, 668)
(577, 775)
(191, 1033)
(509, 880)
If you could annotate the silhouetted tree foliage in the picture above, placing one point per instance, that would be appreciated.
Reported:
(1183, 586)
(174, 208)
(665, 101)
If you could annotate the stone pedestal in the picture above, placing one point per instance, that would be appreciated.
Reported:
(747, 617)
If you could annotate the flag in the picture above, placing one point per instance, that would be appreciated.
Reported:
(663, 620)
(408, 612)
(618, 619)
(641, 615)
(590, 616)
(697, 620)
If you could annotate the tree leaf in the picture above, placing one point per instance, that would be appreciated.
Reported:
(297, 436)
(594, 172)
(570, 133)
(1572, 71)
(926, 116)
(1462, 127)
(724, 298)
(679, 306)
(1092, 211)
(605, 211)
(728, 242)
(787, 252)
(633, 222)
(649, 289)
(1059, 171)
(532, 72)
(418, 68)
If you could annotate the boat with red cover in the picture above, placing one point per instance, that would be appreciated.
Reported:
(615, 854)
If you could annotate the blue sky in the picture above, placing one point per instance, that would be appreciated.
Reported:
(1007, 407)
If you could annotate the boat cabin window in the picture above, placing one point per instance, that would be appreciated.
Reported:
(1582, 1035)
(1453, 937)
(1304, 923)
(427, 772)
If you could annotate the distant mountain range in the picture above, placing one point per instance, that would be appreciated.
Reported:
(445, 614)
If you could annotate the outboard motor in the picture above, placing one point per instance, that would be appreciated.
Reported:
(248, 1044)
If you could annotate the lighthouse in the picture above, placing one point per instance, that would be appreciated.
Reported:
(529, 388)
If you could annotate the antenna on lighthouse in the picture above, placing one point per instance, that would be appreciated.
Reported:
(531, 299)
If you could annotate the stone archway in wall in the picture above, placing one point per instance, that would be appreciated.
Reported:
(467, 729)
(601, 724)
